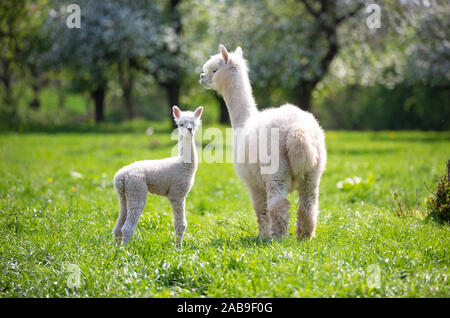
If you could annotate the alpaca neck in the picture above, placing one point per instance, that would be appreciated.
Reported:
(239, 99)
(187, 151)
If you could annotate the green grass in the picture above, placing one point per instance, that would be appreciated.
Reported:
(45, 226)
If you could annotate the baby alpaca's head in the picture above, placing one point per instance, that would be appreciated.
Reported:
(222, 69)
(187, 121)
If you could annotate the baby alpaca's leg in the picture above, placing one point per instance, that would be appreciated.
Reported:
(136, 197)
(121, 219)
(179, 218)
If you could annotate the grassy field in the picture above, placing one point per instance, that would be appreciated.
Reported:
(58, 208)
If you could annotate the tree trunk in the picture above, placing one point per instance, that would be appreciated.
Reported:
(6, 79)
(129, 101)
(35, 103)
(99, 98)
(303, 94)
(127, 82)
(173, 94)
(36, 87)
(224, 117)
(60, 93)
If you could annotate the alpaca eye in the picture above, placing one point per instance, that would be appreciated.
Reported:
(214, 71)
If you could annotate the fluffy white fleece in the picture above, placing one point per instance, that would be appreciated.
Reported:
(301, 152)
(170, 177)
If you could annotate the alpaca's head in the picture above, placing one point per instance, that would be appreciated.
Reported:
(223, 68)
(187, 121)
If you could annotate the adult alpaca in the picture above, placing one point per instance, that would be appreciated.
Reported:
(302, 153)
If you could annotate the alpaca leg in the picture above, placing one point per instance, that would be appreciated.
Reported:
(179, 218)
(259, 201)
(278, 207)
(308, 206)
(136, 199)
(121, 219)
(277, 188)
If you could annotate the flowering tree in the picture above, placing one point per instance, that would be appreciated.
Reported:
(291, 43)
(123, 38)
(114, 36)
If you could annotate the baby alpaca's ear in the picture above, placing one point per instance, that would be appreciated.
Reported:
(224, 52)
(238, 51)
(198, 112)
(176, 112)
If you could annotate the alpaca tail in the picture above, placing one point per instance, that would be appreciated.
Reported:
(303, 155)
(119, 183)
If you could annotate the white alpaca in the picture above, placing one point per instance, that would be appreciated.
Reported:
(302, 153)
(171, 177)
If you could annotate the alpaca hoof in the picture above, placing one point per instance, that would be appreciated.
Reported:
(305, 235)
(117, 241)
(125, 240)
(179, 243)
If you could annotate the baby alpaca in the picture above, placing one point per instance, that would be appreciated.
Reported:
(170, 177)
(302, 153)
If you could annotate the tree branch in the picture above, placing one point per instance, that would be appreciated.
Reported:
(349, 14)
(310, 9)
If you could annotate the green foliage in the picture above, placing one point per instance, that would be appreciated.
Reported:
(379, 107)
(22, 46)
(395, 77)
(58, 207)
(439, 205)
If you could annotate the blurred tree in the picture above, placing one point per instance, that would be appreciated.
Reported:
(322, 42)
(114, 35)
(291, 43)
(395, 77)
(35, 46)
(168, 65)
(411, 46)
(11, 14)
(19, 39)
(224, 118)
(428, 53)
(126, 37)
(81, 52)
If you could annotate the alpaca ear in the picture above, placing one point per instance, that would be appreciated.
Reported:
(224, 52)
(176, 112)
(238, 51)
(198, 112)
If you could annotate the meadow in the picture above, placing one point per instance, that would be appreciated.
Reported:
(58, 208)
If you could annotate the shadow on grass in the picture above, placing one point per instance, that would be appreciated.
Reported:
(422, 137)
(133, 126)
(229, 242)
(246, 241)
(359, 152)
